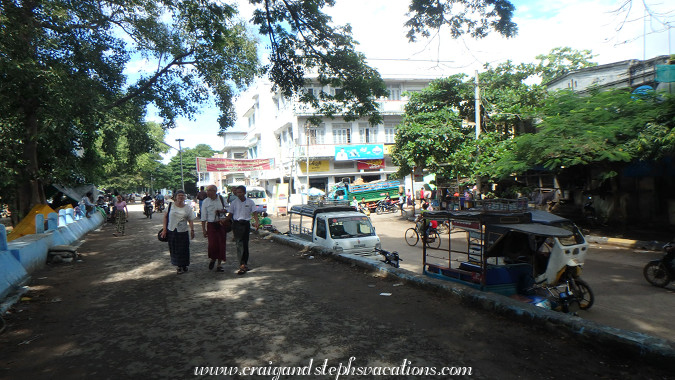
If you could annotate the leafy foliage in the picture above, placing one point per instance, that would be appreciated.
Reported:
(561, 60)
(302, 40)
(606, 129)
(474, 17)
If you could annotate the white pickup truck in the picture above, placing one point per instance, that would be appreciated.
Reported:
(338, 228)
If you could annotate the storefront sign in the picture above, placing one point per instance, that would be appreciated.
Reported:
(314, 166)
(370, 164)
(358, 152)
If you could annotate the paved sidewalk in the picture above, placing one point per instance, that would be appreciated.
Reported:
(123, 312)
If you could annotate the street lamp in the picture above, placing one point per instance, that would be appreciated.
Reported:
(180, 153)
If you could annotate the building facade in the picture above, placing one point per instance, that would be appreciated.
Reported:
(308, 156)
(632, 73)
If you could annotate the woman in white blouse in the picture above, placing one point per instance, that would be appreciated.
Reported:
(176, 222)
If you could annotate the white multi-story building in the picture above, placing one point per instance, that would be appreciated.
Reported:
(272, 126)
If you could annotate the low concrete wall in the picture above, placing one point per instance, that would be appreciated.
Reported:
(21, 257)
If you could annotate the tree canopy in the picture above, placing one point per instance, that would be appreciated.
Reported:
(605, 129)
(68, 107)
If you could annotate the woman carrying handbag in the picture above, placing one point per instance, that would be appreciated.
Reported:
(176, 222)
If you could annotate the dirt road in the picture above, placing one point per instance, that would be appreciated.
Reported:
(124, 313)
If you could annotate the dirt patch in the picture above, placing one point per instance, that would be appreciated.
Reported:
(123, 312)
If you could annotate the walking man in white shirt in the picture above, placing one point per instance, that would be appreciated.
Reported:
(240, 211)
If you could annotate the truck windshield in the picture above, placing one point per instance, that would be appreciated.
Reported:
(350, 227)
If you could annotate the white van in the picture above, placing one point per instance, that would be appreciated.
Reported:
(259, 196)
(339, 229)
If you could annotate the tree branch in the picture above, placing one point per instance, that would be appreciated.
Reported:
(176, 62)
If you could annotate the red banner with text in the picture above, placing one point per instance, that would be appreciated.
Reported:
(232, 165)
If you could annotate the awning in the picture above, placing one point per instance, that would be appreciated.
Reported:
(536, 229)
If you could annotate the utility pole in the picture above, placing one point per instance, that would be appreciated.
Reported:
(477, 106)
(180, 153)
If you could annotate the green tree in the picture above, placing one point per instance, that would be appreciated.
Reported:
(561, 60)
(435, 115)
(189, 167)
(66, 103)
(606, 129)
(476, 18)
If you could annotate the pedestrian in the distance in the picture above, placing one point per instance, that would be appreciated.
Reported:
(240, 212)
(213, 228)
(121, 214)
(201, 195)
(176, 223)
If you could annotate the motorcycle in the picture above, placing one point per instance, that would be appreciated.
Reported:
(662, 272)
(159, 205)
(147, 209)
(384, 206)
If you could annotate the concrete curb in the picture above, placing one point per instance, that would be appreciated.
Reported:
(631, 342)
(628, 243)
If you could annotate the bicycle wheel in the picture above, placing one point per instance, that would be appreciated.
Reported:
(411, 236)
(434, 240)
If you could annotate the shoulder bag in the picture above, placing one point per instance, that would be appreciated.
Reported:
(159, 234)
(226, 223)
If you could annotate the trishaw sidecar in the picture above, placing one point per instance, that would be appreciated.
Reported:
(507, 249)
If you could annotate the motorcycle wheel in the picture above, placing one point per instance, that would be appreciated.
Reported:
(583, 293)
(434, 240)
(656, 274)
(411, 237)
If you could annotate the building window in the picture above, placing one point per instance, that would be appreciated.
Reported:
(342, 134)
(203, 177)
(394, 93)
(316, 136)
(389, 133)
(367, 134)
(251, 120)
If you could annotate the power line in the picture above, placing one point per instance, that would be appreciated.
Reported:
(409, 60)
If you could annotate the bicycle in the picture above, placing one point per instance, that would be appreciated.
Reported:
(412, 236)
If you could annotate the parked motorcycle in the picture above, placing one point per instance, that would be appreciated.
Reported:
(147, 209)
(662, 272)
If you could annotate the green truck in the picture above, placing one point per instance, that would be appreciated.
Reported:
(372, 192)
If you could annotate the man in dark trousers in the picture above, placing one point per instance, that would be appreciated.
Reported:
(240, 211)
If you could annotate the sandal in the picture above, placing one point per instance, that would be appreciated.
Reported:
(179, 270)
(220, 269)
(211, 264)
(242, 269)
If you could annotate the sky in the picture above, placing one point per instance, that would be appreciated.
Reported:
(378, 25)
